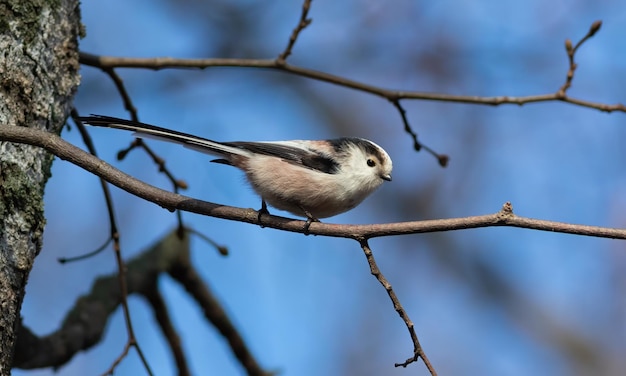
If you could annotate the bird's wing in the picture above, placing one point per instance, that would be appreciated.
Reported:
(293, 152)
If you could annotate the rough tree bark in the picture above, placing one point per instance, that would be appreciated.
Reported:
(39, 75)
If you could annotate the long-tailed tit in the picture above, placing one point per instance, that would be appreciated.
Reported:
(316, 179)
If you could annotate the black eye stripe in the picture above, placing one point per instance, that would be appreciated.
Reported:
(365, 145)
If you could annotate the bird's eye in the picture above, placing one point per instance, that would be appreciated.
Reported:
(371, 163)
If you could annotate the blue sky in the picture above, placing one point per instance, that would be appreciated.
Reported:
(494, 301)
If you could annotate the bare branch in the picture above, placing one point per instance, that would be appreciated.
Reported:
(173, 201)
(391, 95)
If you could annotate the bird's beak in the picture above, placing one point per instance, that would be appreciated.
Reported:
(386, 177)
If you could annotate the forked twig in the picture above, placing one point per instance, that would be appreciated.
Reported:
(571, 52)
(418, 352)
(302, 24)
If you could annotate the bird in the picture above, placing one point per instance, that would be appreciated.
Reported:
(308, 178)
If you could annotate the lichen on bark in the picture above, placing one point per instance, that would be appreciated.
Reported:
(38, 79)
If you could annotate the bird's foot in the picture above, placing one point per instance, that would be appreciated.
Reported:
(262, 211)
(309, 219)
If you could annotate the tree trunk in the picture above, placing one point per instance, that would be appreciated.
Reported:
(39, 75)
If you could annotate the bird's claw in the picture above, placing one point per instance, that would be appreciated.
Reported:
(262, 211)
(309, 219)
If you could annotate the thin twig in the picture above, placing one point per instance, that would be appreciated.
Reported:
(418, 352)
(417, 145)
(571, 52)
(132, 340)
(119, 85)
(130, 107)
(223, 250)
(302, 24)
(87, 255)
(118, 360)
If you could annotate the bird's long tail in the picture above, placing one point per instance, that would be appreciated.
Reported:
(143, 130)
